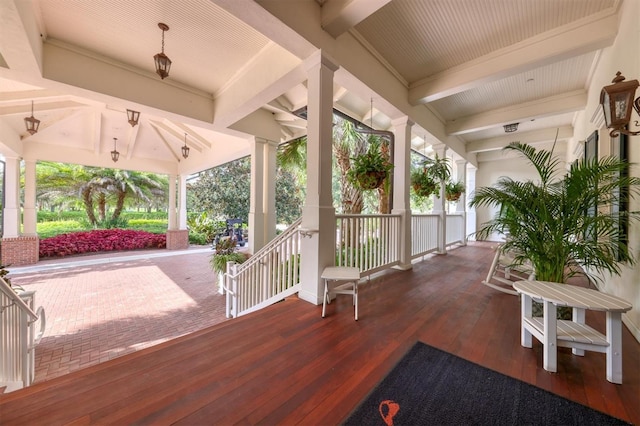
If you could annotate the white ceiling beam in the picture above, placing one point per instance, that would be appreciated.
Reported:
(338, 16)
(19, 97)
(20, 42)
(53, 119)
(108, 77)
(169, 128)
(25, 108)
(531, 138)
(157, 127)
(553, 105)
(194, 135)
(132, 138)
(580, 37)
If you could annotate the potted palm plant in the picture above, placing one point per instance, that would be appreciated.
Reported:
(434, 171)
(369, 170)
(554, 223)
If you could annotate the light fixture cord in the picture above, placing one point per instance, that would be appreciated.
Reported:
(162, 41)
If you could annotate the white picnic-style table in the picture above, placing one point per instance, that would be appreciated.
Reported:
(574, 334)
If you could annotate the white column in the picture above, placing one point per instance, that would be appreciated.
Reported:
(318, 214)
(173, 222)
(401, 184)
(471, 212)
(11, 212)
(270, 218)
(182, 202)
(29, 215)
(440, 204)
(461, 205)
(256, 198)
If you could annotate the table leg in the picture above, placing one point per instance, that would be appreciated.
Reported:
(614, 350)
(525, 335)
(578, 317)
(550, 349)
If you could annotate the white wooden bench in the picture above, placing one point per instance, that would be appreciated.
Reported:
(573, 334)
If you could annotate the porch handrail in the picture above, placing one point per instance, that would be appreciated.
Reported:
(18, 337)
(424, 233)
(369, 242)
(269, 275)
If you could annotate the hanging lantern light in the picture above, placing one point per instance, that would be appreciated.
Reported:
(32, 123)
(185, 148)
(115, 154)
(163, 63)
(133, 117)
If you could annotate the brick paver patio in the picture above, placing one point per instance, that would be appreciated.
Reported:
(104, 306)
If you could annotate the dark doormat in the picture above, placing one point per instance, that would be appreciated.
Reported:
(432, 387)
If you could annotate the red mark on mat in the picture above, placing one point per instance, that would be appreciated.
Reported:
(388, 409)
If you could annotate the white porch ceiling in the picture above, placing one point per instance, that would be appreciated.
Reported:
(460, 69)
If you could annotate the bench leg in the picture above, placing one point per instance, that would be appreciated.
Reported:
(550, 349)
(525, 335)
(324, 298)
(614, 350)
(578, 316)
(355, 297)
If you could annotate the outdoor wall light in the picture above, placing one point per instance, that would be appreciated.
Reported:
(133, 117)
(32, 123)
(185, 148)
(163, 63)
(115, 154)
(510, 128)
(616, 101)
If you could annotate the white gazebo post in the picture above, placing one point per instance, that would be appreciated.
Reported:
(440, 204)
(173, 218)
(318, 213)
(461, 204)
(17, 249)
(270, 156)
(29, 216)
(401, 184)
(178, 237)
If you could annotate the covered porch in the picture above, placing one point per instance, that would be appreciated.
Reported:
(287, 365)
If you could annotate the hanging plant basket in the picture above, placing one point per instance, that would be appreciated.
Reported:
(371, 180)
(423, 185)
(369, 170)
(453, 191)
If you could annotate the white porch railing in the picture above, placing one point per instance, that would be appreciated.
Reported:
(424, 234)
(18, 337)
(455, 229)
(368, 242)
(268, 276)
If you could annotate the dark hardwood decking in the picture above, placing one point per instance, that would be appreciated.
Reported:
(287, 365)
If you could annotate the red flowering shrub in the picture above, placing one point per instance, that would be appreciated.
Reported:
(100, 240)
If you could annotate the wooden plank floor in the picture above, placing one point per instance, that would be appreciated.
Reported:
(287, 365)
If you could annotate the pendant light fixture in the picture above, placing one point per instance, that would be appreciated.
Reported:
(115, 154)
(185, 148)
(32, 123)
(163, 63)
(133, 117)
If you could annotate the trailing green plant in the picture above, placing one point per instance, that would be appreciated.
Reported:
(226, 250)
(453, 190)
(369, 170)
(554, 222)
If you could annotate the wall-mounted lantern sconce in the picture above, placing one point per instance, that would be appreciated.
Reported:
(617, 100)
(115, 154)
